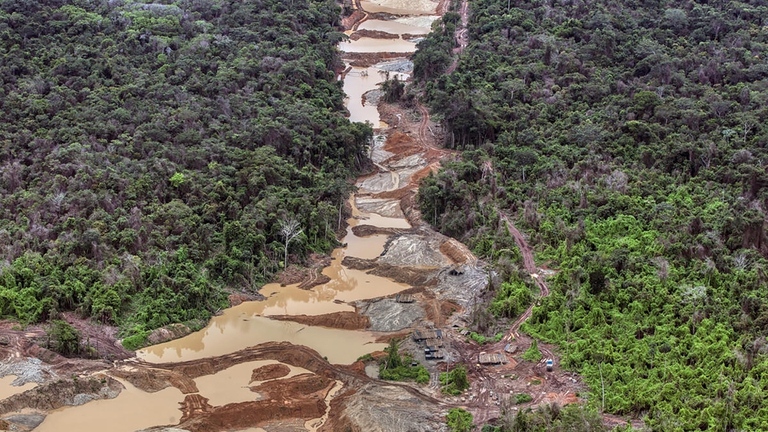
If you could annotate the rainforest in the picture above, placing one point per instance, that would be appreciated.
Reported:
(150, 151)
(628, 140)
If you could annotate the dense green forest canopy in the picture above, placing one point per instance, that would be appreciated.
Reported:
(629, 140)
(149, 152)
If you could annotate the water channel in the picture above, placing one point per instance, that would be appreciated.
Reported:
(249, 324)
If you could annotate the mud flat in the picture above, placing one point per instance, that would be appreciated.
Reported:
(372, 45)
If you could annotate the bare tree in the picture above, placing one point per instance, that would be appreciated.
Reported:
(290, 229)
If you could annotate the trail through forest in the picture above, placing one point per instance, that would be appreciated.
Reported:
(530, 267)
(462, 36)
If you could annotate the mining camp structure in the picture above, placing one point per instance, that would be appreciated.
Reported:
(432, 340)
(491, 359)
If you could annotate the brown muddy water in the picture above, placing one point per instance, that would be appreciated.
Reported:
(358, 82)
(371, 45)
(132, 410)
(7, 390)
(393, 27)
(232, 385)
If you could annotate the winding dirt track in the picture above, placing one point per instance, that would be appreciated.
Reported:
(530, 266)
(462, 36)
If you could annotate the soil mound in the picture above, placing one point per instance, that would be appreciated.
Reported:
(369, 230)
(457, 252)
(269, 372)
(376, 34)
(378, 408)
(56, 394)
(338, 320)
(414, 250)
(172, 331)
(238, 298)
(387, 315)
(152, 380)
(299, 397)
(364, 59)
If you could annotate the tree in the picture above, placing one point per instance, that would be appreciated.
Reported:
(393, 356)
(459, 420)
(289, 229)
(533, 354)
(456, 380)
(63, 338)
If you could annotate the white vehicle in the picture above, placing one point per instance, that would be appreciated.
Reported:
(550, 365)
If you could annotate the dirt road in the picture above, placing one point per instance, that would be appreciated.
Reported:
(461, 36)
(530, 266)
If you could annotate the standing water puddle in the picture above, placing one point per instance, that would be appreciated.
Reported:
(7, 390)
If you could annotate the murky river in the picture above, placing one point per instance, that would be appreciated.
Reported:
(248, 324)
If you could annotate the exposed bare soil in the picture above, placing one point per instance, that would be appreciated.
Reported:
(306, 277)
(270, 372)
(377, 34)
(339, 320)
(299, 397)
(364, 59)
(369, 230)
(60, 392)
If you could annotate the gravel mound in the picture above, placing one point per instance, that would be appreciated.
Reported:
(461, 286)
(29, 420)
(376, 408)
(387, 315)
(414, 250)
(400, 65)
(27, 370)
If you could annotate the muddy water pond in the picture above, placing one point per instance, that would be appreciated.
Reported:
(237, 329)
(400, 7)
(359, 81)
(245, 325)
(131, 410)
(371, 45)
(7, 390)
(232, 385)
(393, 27)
